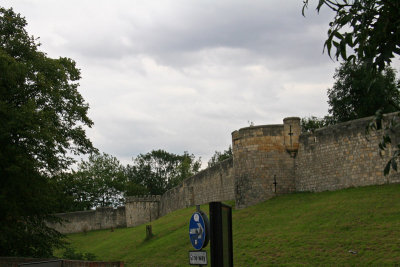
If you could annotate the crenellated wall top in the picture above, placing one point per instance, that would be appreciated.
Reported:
(258, 131)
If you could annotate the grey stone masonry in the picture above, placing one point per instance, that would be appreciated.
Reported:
(263, 159)
(342, 156)
(82, 221)
(268, 160)
(212, 184)
(142, 209)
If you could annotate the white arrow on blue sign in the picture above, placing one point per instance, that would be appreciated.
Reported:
(197, 231)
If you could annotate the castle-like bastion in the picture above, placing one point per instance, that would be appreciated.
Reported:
(268, 160)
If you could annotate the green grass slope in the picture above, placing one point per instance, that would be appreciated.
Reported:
(352, 227)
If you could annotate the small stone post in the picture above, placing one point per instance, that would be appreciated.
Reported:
(149, 231)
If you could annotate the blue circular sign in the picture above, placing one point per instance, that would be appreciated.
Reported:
(198, 227)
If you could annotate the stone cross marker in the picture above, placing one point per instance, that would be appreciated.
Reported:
(290, 134)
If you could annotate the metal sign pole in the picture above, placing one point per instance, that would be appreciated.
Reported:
(221, 235)
(198, 210)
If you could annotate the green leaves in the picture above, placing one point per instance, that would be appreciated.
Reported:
(220, 156)
(103, 180)
(388, 127)
(41, 118)
(392, 163)
(370, 28)
(159, 171)
(312, 123)
(358, 92)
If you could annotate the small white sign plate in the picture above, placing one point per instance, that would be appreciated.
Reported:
(198, 257)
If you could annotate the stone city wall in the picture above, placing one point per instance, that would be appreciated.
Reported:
(268, 160)
(212, 184)
(263, 159)
(82, 221)
(332, 158)
(341, 156)
(141, 209)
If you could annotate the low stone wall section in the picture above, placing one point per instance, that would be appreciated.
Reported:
(141, 209)
(82, 221)
(212, 184)
(341, 156)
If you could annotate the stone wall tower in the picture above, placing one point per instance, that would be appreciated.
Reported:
(263, 161)
(142, 209)
(291, 132)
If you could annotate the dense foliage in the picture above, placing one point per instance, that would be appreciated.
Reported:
(98, 182)
(71, 254)
(157, 171)
(310, 124)
(220, 156)
(42, 116)
(103, 178)
(102, 181)
(357, 93)
(371, 28)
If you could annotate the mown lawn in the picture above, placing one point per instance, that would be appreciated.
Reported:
(352, 227)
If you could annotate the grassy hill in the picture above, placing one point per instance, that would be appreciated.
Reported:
(356, 226)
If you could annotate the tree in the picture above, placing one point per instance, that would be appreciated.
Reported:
(100, 181)
(71, 193)
(357, 93)
(158, 171)
(42, 116)
(310, 124)
(218, 157)
(371, 28)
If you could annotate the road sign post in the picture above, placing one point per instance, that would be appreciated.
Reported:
(199, 237)
(221, 248)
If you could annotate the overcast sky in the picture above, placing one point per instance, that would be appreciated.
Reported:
(181, 75)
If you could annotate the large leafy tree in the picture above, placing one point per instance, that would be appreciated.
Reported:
(42, 116)
(357, 93)
(157, 171)
(369, 28)
(100, 181)
(71, 193)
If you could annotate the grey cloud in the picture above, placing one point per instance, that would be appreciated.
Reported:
(182, 75)
(271, 30)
